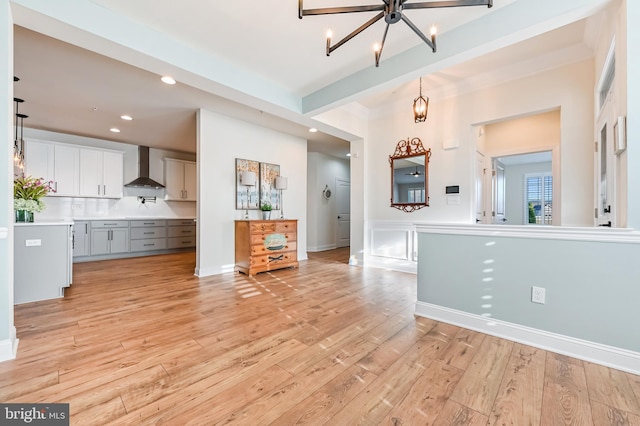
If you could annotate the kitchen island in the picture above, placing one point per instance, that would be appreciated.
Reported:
(43, 265)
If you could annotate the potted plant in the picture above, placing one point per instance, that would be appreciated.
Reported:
(266, 210)
(27, 194)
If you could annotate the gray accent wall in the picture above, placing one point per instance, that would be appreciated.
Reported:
(592, 287)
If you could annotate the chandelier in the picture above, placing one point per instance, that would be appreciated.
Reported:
(420, 106)
(392, 12)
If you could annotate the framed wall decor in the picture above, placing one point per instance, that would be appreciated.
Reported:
(247, 196)
(268, 191)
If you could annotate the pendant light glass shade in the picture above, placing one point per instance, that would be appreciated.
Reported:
(420, 107)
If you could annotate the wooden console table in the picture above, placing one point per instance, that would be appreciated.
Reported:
(265, 245)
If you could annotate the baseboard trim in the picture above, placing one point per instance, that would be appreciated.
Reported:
(321, 248)
(9, 347)
(609, 356)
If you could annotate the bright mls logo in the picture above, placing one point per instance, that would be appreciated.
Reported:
(35, 414)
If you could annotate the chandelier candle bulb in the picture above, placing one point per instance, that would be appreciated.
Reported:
(433, 36)
(329, 34)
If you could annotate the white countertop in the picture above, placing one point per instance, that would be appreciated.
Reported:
(46, 222)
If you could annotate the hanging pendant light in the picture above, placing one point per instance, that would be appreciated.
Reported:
(420, 107)
(16, 142)
(21, 144)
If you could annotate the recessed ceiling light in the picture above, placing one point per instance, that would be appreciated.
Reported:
(313, 130)
(126, 117)
(115, 130)
(168, 80)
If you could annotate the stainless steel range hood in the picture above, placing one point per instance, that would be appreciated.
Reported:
(143, 180)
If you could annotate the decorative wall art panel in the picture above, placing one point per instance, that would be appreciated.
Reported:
(268, 191)
(247, 196)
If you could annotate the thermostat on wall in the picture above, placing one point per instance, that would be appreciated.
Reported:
(454, 189)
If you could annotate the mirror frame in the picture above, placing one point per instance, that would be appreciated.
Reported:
(408, 148)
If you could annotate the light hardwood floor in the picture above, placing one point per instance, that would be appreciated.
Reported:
(142, 341)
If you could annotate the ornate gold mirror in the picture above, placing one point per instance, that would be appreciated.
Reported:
(410, 175)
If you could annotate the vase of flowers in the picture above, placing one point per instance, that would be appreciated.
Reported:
(27, 194)
(266, 210)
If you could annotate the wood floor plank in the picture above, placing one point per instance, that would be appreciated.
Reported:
(478, 387)
(323, 404)
(268, 408)
(454, 414)
(427, 397)
(565, 400)
(462, 348)
(143, 341)
(519, 399)
(604, 415)
(610, 387)
(373, 404)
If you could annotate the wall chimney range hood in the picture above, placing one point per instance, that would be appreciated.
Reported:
(143, 180)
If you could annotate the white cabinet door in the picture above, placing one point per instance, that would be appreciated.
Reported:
(173, 179)
(190, 179)
(101, 173)
(54, 162)
(113, 179)
(39, 160)
(67, 170)
(91, 172)
(180, 179)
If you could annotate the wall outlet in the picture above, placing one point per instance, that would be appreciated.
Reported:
(538, 295)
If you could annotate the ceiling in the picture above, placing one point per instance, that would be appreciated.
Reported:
(243, 61)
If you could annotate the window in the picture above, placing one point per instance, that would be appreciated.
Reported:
(539, 198)
(415, 195)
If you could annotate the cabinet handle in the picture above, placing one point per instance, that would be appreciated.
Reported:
(186, 232)
(186, 194)
(149, 233)
(104, 189)
(86, 228)
(148, 245)
(149, 223)
(98, 189)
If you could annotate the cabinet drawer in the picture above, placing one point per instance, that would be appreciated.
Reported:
(260, 238)
(109, 223)
(181, 231)
(139, 223)
(260, 250)
(148, 232)
(149, 244)
(181, 242)
(273, 261)
(260, 227)
(286, 227)
(180, 222)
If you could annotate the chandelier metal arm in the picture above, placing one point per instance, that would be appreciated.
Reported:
(353, 33)
(431, 42)
(378, 53)
(336, 10)
(451, 3)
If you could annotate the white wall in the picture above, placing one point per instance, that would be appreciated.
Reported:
(569, 88)
(221, 140)
(321, 217)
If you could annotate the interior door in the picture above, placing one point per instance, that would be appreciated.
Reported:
(499, 189)
(605, 167)
(343, 205)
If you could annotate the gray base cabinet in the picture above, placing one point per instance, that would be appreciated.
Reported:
(81, 236)
(109, 237)
(113, 239)
(43, 265)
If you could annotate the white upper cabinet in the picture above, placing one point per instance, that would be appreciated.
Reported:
(101, 173)
(58, 163)
(180, 180)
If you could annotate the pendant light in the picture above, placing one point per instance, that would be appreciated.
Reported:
(21, 155)
(420, 107)
(16, 142)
